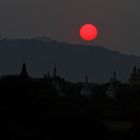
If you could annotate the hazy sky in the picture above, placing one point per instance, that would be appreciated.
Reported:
(117, 20)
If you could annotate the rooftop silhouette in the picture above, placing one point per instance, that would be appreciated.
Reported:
(53, 103)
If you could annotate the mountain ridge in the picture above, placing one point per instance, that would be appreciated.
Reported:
(73, 61)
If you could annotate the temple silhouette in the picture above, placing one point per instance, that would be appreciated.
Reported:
(54, 108)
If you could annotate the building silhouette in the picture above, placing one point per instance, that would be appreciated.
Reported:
(24, 74)
(55, 83)
(112, 87)
(86, 90)
(135, 77)
(40, 105)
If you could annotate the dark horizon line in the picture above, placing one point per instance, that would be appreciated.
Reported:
(51, 74)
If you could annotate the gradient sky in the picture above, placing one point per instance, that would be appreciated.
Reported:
(117, 20)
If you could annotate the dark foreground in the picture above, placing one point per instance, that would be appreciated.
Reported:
(53, 118)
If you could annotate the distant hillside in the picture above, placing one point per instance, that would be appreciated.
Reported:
(73, 62)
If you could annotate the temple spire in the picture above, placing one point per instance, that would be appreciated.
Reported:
(86, 80)
(24, 73)
(135, 70)
(115, 77)
(86, 90)
(54, 72)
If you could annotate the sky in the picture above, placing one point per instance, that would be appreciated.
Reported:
(118, 21)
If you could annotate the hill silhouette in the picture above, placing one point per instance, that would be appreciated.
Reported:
(73, 61)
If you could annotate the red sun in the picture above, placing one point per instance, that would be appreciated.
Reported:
(88, 32)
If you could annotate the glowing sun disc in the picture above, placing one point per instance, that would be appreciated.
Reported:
(88, 32)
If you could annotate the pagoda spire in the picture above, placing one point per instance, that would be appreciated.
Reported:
(24, 73)
(134, 70)
(115, 77)
(86, 90)
(86, 80)
(54, 72)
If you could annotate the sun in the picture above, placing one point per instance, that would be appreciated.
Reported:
(88, 32)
